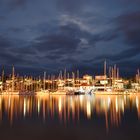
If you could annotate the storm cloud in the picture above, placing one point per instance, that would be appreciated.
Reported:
(53, 35)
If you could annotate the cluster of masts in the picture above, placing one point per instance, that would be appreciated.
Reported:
(114, 72)
(64, 78)
(15, 82)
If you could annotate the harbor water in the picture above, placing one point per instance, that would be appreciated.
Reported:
(70, 117)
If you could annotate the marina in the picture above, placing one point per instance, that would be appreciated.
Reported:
(66, 84)
(69, 70)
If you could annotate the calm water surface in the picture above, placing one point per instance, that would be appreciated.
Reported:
(58, 117)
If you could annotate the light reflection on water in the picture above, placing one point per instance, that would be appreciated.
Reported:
(68, 108)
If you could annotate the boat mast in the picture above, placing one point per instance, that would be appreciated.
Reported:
(138, 76)
(65, 75)
(73, 78)
(68, 79)
(78, 78)
(2, 78)
(13, 78)
(105, 68)
(44, 80)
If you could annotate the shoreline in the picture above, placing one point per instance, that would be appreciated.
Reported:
(43, 93)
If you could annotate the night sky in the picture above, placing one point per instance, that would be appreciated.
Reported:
(38, 35)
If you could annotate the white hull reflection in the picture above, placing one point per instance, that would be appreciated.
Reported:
(58, 92)
(43, 92)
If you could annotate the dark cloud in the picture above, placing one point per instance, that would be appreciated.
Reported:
(69, 33)
(4, 44)
(129, 26)
(70, 6)
(10, 54)
(65, 41)
(126, 54)
(93, 68)
(106, 36)
(57, 43)
(70, 61)
(2, 18)
(16, 3)
(132, 63)
(128, 68)
(53, 56)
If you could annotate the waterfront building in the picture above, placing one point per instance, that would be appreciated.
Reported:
(118, 85)
(88, 79)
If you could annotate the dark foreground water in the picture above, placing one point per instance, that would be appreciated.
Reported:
(82, 117)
